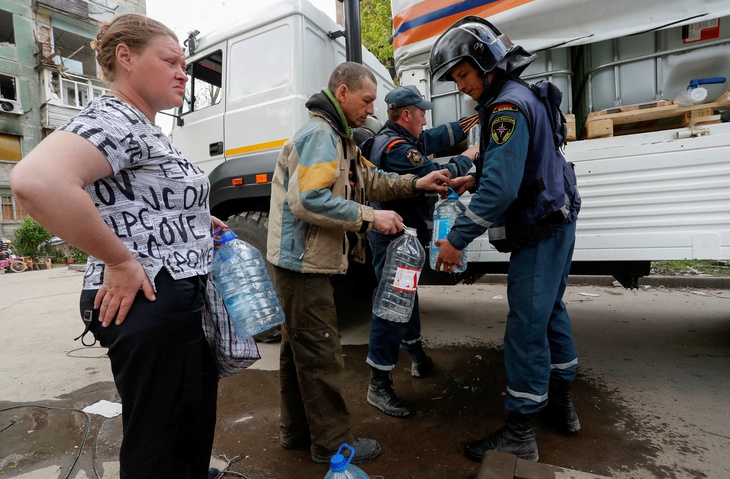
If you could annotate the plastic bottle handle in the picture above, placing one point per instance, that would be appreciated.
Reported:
(339, 465)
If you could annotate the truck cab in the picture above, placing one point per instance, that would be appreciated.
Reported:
(248, 84)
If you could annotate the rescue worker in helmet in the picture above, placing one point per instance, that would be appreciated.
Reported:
(527, 200)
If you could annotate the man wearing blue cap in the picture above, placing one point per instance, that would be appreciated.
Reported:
(403, 147)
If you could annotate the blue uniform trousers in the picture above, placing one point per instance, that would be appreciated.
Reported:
(386, 337)
(538, 340)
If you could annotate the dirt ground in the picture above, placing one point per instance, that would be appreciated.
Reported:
(651, 392)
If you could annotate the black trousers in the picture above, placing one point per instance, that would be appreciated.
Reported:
(166, 378)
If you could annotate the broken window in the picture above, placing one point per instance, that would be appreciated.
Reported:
(73, 53)
(7, 88)
(76, 91)
(7, 31)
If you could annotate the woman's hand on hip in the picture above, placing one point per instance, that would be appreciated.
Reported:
(122, 282)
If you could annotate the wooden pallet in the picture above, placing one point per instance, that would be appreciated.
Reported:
(656, 116)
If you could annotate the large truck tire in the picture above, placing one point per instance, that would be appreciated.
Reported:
(253, 227)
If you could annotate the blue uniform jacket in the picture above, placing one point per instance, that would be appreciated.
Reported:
(403, 153)
(519, 153)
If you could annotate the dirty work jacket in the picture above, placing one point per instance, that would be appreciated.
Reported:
(315, 202)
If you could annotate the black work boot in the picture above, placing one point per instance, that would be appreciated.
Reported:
(382, 396)
(421, 364)
(559, 411)
(516, 438)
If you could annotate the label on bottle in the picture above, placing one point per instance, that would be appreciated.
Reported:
(406, 279)
(441, 228)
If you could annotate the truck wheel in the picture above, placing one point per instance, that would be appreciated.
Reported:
(253, 228)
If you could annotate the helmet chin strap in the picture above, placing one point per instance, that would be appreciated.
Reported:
(491, 89)
(486, 83)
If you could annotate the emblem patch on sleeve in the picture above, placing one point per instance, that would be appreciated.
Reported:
(502, 129)
(414, 157)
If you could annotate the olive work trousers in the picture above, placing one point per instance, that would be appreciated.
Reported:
(311, 365)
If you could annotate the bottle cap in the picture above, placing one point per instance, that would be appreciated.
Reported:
(338, 462)
(226, 236)
(452, 194)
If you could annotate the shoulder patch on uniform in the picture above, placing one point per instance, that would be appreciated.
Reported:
(502, 128)
(505, 107)
(415, 157)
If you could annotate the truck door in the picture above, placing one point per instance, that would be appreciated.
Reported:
(263, 108)
(201, 137)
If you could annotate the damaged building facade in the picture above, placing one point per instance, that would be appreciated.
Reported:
(48, 72)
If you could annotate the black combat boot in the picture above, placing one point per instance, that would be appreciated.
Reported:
(559, 411)
(382, 396)
(516, 438)
(421, 364)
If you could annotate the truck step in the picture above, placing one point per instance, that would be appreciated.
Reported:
(662, 115)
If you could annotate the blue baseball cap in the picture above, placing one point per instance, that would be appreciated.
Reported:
(406, 96)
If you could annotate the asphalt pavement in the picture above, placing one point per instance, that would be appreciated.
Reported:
(651, 392)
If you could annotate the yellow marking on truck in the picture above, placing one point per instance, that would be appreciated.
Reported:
(257, 147)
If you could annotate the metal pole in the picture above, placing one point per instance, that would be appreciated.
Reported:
(353, 42)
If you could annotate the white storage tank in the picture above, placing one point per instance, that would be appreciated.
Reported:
(653, 66)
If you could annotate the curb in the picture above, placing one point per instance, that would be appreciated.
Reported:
(712, 282)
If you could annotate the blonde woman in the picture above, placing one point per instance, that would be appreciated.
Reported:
(111, 183)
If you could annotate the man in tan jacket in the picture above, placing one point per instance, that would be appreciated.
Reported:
(319, 192)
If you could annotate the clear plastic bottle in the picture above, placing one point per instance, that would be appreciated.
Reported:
(340, 467)
(691, 96)
(396, 292)
(444, 217)
(239, 272)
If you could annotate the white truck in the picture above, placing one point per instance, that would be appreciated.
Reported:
(654, 175)
(248, 83)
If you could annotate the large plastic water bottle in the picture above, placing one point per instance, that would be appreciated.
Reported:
(340, 467)
(444, 217)
(396, 292)
(240, 275)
